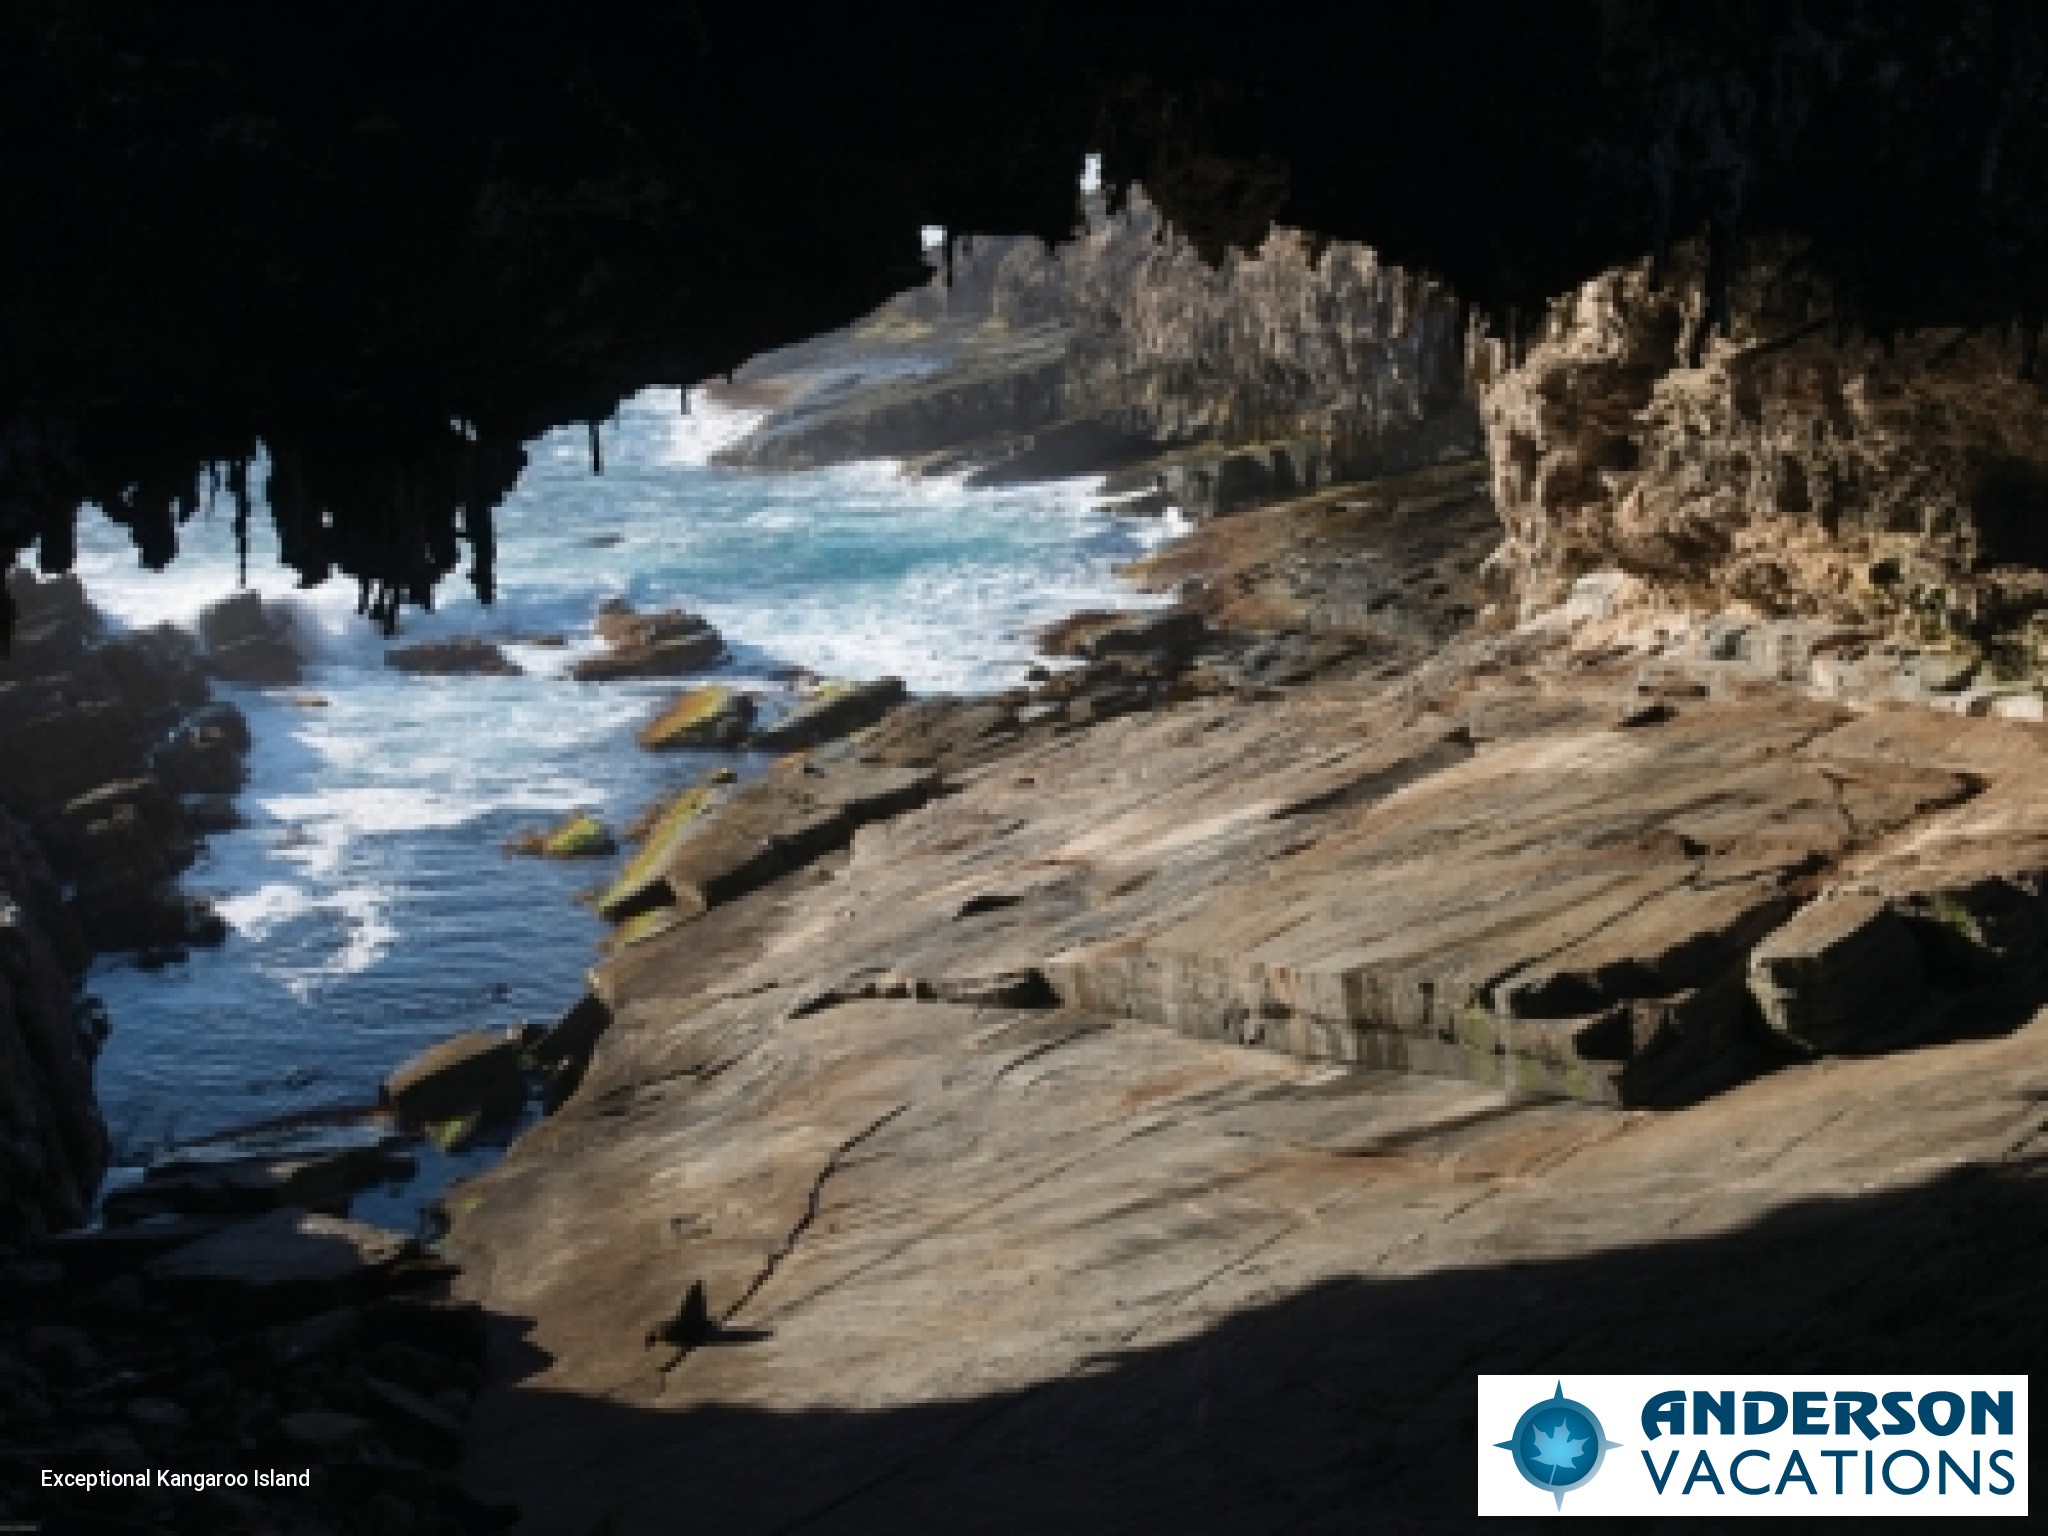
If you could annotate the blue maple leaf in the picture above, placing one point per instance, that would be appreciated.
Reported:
(1557, 1449)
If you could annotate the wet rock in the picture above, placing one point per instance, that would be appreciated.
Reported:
(667, 644)
(262, 661)
(239, 617)
(200, 1185)
(711, 716)
(758, 833)
(212, 813)
(246, 642)
(478, 1071)
(829, 712)
(579, 837)
(321, 1336)
(200, 760)
(282, 1265)
(466, 657)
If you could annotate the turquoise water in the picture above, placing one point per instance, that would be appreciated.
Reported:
(371, 907)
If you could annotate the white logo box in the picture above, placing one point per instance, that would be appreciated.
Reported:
(1852, 1484)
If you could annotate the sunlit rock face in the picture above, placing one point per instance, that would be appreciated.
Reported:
(1791, 463)
(1295, 339)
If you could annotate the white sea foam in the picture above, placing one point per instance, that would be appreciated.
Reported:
(371, 906)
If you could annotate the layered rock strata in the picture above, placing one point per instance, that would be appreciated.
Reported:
(944, 1152)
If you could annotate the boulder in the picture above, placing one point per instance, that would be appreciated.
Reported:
(831, 711)
(240, 617)
(465, 657)
(245, 642)
(711, 716)
(1841, 970)
(582, 836)
(478, 1071)
(667, 644)
(262, 661)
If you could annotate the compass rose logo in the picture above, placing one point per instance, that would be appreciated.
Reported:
(1558, 1445)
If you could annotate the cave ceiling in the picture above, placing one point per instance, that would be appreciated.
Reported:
(391, 241)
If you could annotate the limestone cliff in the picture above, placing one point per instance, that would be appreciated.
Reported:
(1125, 343)
(1789, 464)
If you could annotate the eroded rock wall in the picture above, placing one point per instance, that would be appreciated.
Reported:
(1269, 373)
(1787, 465)
(53, 1146)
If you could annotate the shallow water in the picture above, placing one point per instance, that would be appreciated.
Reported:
(371, 906)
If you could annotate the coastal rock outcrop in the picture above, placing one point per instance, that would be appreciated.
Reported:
(829, 711)
(1213, 386)
(1182, 1012)
(247, 641)
(104, 733)
(477, 1072)
(108, 735)
(711, 716)
(666, 644)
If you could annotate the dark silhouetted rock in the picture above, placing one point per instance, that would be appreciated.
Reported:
(466, 657)
(478, 1071)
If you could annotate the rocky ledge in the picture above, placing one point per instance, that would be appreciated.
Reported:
(116, 761)
(1104, 1100)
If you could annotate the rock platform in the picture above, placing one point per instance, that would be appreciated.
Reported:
(1162, 1123)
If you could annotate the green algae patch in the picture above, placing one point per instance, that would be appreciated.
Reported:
(711, 716)
(641, 886)
(580, 837)
(645, 926)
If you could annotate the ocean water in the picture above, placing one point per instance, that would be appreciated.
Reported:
(372, 909)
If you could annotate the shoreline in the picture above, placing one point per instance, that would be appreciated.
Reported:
(911, 1022)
